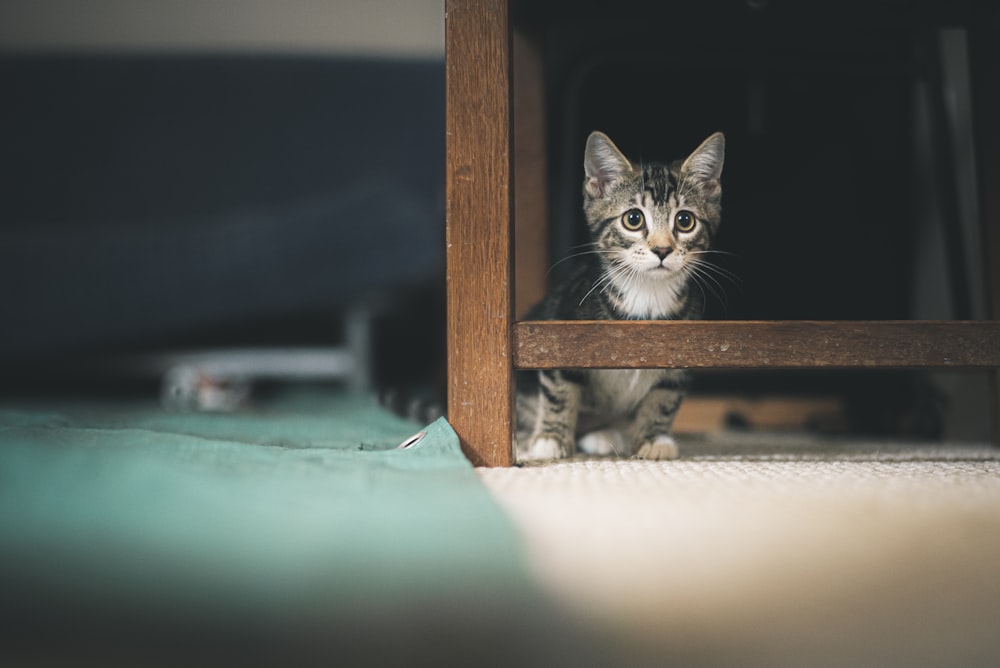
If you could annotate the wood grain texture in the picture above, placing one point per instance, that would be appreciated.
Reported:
(479, 210)
(757, 345)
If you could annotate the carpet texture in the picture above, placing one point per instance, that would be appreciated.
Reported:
(770, 550)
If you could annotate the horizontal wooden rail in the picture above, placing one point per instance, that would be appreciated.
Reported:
(788, 344)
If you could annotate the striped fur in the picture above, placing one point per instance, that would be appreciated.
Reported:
(651, 226)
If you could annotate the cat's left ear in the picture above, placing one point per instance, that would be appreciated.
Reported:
(603, 163)
(705, 163)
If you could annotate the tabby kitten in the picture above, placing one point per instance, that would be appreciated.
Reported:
(651, 226)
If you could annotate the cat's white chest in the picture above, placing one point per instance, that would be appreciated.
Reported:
(619, 391)
(652, 299)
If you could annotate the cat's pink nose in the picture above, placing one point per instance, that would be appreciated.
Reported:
(662, 251)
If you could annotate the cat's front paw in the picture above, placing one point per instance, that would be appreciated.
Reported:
(661, 447)
(544, 448)
(602, 443)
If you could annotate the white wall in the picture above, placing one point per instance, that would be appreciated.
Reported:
(365, 27)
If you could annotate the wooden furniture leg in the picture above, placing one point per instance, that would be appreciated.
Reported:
(478, 236)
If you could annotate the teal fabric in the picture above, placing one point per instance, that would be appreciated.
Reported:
(300, 504)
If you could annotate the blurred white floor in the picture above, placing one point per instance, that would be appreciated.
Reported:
(773, 550)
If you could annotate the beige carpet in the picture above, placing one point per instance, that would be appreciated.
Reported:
(773, 551)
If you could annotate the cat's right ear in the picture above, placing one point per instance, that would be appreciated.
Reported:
(705, 164)
(603, 163)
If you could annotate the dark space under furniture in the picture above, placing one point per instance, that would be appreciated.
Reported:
(754, 74)
(147, 198)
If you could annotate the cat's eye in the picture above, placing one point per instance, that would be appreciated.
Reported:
(633, 220)
(684, 221)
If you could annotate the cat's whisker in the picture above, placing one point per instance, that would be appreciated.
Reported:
(692, 273)
(619, 273)
(706, 281)
(611, 275)
(712, 267)
(631, 279)
(606, 278)
(696, 282)
(718, 276)
(712, 251)
(708, 276)
(714, 273)
(576, 255)
(705, 272)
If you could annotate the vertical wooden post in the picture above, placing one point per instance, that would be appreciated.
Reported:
(479, 210)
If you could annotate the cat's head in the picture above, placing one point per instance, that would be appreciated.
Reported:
(649, 223)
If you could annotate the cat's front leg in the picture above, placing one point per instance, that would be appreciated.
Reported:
(654, 419)
(558, 405)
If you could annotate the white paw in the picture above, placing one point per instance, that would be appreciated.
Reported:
(604, 442)
(661, 447)
(543, 448)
